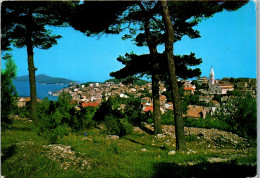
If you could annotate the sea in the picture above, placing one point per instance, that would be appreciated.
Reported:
(23, 89)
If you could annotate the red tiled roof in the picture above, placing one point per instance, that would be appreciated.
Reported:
(186, 88)
(89, 104)
(148, 108)
(194, 111)
(227, 87)
(225, 84)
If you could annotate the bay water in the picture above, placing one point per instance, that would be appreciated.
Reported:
(23, 89)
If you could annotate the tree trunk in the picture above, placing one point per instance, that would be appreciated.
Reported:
(32, 69)
(179, 127)
(155, 79)
(156, 97)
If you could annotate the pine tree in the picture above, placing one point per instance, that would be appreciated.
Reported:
(24, 25)
(8, 91)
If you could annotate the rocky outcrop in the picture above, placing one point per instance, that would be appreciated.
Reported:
(66, 157)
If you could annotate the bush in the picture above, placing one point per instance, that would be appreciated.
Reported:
(126, 127)
(209, 122)
(117, 126)
(112, 125)
(133, 111)
(240, 114)
(8, 91)
(190, 138)
(168, 118)
(51, 128)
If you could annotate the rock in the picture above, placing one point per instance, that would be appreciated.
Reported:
(160, 136)
(144, 149)
(86, 138)
(112, 137)
(173, 152)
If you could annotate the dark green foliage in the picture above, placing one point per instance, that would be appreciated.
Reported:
(190, 138)
(145, 93)
(168, 118)
(113, 125)
(82, 120)
(104, 110)
(15, 22)
(133, 111)
(58, 118)
(142, 64)
(167, 93)
(241, 114)
(128, 80)
(23, 112)
(8, 91)
(117, 126)
(217, 98)
(208, 122)
(51, 127)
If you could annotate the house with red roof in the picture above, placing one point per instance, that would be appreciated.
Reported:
(148, 108)
(189, 90)
(89, 104)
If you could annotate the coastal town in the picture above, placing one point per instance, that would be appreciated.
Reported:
(211, 93)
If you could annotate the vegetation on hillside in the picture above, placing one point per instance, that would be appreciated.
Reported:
(44, 79)
(8, 91)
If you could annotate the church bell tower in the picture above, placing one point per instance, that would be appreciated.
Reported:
(211, 77)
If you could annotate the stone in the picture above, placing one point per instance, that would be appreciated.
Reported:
(112, 137)
(160, 136)
(173, 152)
(144, 149)
(86, 138)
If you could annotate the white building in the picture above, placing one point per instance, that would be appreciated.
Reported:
(211, 77)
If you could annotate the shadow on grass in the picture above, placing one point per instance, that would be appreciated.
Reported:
(134, 141)
(8, 152)
(21, 128)
(205, 169)
(145, 129)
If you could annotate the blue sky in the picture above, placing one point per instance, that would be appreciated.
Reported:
(228, 43)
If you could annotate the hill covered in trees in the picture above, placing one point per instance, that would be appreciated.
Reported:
(44, 79)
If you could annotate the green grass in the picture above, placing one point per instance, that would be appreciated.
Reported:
(23, 155)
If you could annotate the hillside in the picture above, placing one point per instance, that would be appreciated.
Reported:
(44, 79)
(210, 153)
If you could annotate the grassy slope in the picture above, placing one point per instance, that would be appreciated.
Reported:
(23, 155)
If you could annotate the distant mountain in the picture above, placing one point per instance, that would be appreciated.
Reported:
(44, 79)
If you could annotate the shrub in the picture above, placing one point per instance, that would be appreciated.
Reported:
(168, 118)
(51, 128)
(126, 127)
(8, 91)
(117, 126)
(209, 122)
(113, 125)
(133, 111)
(240, 114)
(190, 138)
